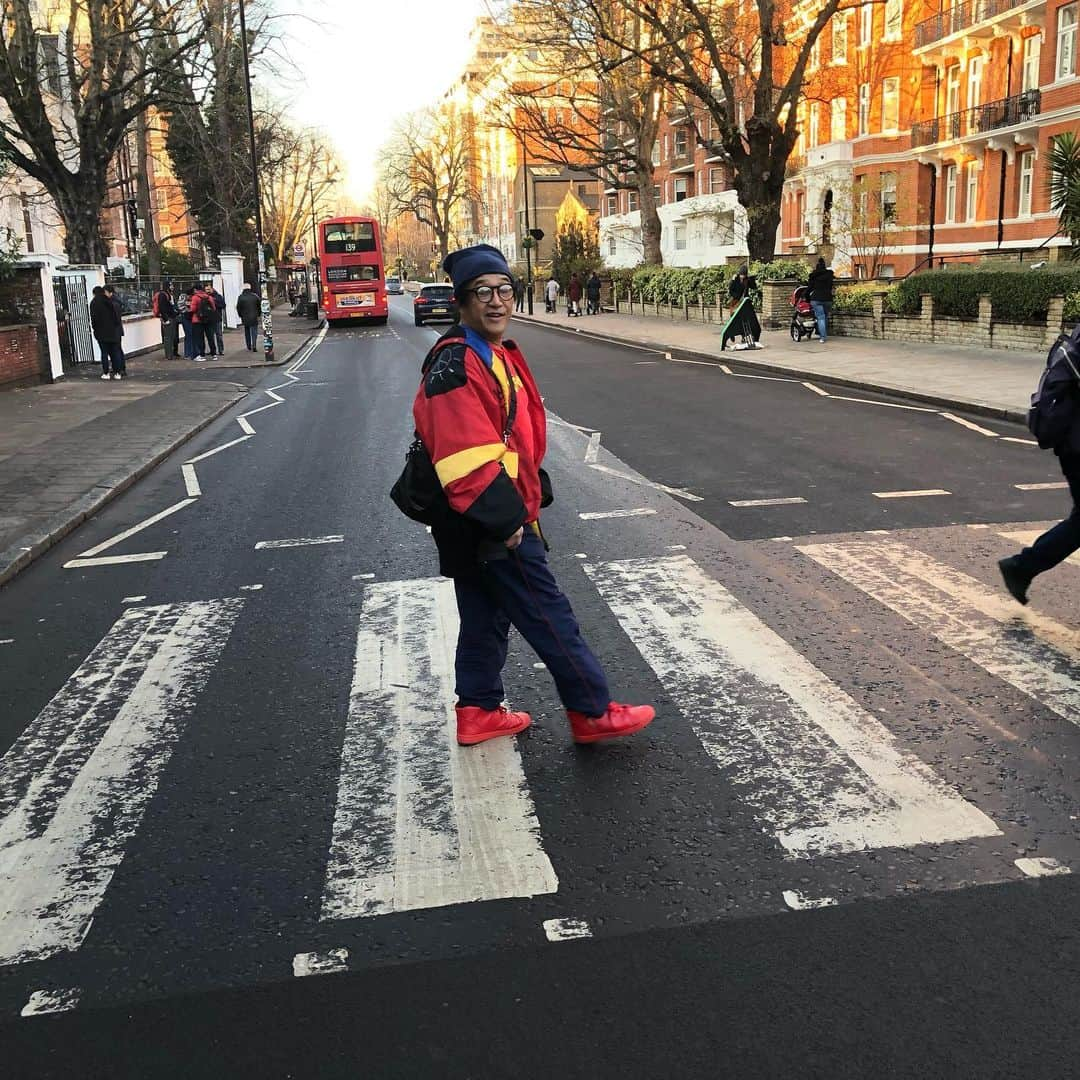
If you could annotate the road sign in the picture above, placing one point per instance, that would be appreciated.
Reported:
(299, 252)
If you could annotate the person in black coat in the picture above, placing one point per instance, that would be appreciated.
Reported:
(107, 325)
(592, 294)
(170, 317)
(821, 283)
(249, 308)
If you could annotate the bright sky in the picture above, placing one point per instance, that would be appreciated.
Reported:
(362, 64)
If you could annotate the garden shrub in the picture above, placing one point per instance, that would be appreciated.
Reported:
(1072, 307)
(855, 299)
(1018, 295)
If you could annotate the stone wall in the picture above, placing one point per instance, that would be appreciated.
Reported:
(21, 359)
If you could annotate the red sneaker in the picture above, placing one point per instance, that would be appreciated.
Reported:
(619, 720)
(476, 725)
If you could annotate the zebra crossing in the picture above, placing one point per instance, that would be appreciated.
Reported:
(420, 823)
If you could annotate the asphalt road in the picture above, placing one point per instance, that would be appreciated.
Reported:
(842, 850)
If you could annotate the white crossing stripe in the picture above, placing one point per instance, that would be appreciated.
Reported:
(596, 515)
(1056, 485)
(969, 425)
(300, 541)
(51, 1001)
(566, 929)
(909, 494)
(767, 502)
(1032, 652)
(420, 821)
(313, 963)
(74, 785)
(798, 902)
(817, 768)
(1027, 537)
(1041, 867)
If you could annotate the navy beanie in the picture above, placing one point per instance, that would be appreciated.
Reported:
(471, 262)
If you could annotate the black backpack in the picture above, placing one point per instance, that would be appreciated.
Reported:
(1054, 405)
(207, 311)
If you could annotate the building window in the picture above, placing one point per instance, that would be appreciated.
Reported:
(1032, 56)
(894, 19)
(866, 24)
(656, 153)
(890, 104)
(667, 147)
(612, 204)
(888, 198)
(49, 51)
(813, 60)
(681, 143)
(839, 120)
(680, 236)
(716, 181)
(631, 201)
(1066, 42)
(657, 195)
(950, 194)
(682, 188)
(864, 108)
(611, 245)
(974, 86)
(839, 38)
(815, 126)
(952, 90)
(28, 225)
(1027, 178)
(800, 213)
(971, 202)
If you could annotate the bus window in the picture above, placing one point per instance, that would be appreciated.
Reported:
(348, 237)
(352, 273)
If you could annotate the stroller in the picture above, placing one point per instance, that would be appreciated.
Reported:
(803, 323)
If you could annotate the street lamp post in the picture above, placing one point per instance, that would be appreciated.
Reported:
(315, 246)
(267, 320)
(527, 241)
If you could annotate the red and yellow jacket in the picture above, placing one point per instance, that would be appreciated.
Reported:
(461, 411)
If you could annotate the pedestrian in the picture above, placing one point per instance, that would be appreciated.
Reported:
(183, 308)
(821, 282)
(574, 293)
(107, 325)
(249, 308)
(202, 319)
(551, 291)
(741, 285)
(592, 293)
(219, 321)
(165, 310)
(519, 294)
(480, 416)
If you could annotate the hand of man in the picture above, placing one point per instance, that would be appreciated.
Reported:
(512, 541)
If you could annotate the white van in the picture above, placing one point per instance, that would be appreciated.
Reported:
(393, 285)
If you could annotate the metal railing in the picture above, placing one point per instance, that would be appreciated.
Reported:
(979, 118)
(960, 16)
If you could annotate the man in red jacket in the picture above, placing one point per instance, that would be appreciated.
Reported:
(480, 416)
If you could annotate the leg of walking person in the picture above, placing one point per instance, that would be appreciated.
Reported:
(481, 644)
(819, 318)
(116, 360)
(249, 336)
(169, 338)
(103, 351)
(189, 338)
(219, 336)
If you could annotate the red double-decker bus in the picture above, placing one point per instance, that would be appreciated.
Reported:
(351, 269)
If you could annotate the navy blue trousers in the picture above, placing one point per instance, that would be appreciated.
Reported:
(520, 591)
(1058, 543)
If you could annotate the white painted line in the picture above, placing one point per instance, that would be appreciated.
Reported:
(969, 425)
(766, 502)
(877, 532)
(593, 449)
(1056, 485)
(300, 541)
(244, 425)
(645, 363)
(540, 666)
(75, 784)
(280, 386)
(326, 963)
(979, 527)
(420, 821)
(277, 397)
(114, 540)
(580, 555)
(682, 493)
(132, 599)
(218, 449)
(816, 389)
(51, 1001)
(883, 404)
(676, 547)
(262, 408)
(251, 588)
(191, 481)
(1022, 442)
(781, 539)
(115, 560)
(700, 363)
(725, 369)
(1031, 652)
(596, 515)
(909, 494)
(363, 577)
(7, 641)
(667, 356)
(1042, 867)
(798, 902)
(1027, 537)
(822, 773)
(764, 378)
(566, 929)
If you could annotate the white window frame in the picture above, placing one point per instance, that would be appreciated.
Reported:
(1025, 170)
(631, 202)
(974, 82)
(682, 138)
(887, 185)
(681, 189)
(952, 90)
(864, 109)
(656, 152)
(838, 120)
(612, 246)
(678, 233)
(971, 193)
(813, 58)
(612, 204)
(667, 147)
(950, 194)
(814, 134)
(1065, 59)
(839, 37)
(894, 20)
(890, 92)
(716, 181)
(1032, 58)
(866, 25)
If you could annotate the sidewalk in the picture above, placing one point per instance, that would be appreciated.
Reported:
(69, 448)
(993, 382)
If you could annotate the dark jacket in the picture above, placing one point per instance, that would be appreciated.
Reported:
(573, 290)
(738, 290)
(105, 319)
(821, 286)
(248, 307)
(592, 287)
(166, 308)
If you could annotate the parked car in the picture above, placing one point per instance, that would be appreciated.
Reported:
(434, 303)
(393, 285)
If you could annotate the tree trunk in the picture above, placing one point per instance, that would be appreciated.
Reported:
(142, 197)
(650, 220)
(80, 210)
(760, 198)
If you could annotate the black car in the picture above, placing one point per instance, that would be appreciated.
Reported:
(435, 302)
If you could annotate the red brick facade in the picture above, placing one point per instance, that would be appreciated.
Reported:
(21, 359)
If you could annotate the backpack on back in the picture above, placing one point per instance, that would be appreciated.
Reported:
(157, 303)
(207, 311)
(1054, 405)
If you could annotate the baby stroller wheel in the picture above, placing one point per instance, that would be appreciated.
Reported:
(796, 332)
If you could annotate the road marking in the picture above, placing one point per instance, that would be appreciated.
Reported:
(115, 560)
(765, 378)
(218, 449)
(816, 389)
(251, 588)
(51, 1001)
(883, 404)
(1056, 485)
(1027, 537)
(682, 493)
(725, 369)
(969, 425)
(300, 541)
(324, 963)
(7, 641)
(593, 449)
(667, 356)
(700, 363)
(1031, 652)
(798, 902)
(781, 539)
(1042, 867)
(363, 577)
(120, 537)
(132, 599)
(596, 515)
(75, 784)
(676, 547)
(566, 929)
(979, 527)
(909, 494)
(1022, 442)
(420, 821)
(277, 397)
(244, 425)
(822, 773)
(191, 480)
(766, 502)
(261, 408)
(645, 363)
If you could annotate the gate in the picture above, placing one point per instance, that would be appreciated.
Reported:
(73, 320)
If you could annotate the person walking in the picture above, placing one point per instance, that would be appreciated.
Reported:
(519, 294)
(202, 318)
(219, 320)
(821, 283)
(551, 292)
(574, 293)
(165, 310)
(249, 308)
(481, 418)
(183, 308)
(107, 325)
(592, 293)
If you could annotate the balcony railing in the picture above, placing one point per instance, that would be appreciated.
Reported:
(978, 119)
(960, 16)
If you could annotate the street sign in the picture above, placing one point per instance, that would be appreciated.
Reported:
(299, 252)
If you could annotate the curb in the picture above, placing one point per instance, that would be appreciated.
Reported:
(19, 558)
(979, 408)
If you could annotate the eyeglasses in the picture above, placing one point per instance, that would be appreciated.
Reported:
(484, 293)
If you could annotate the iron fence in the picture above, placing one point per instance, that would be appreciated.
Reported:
(979, 118)
(959, 17)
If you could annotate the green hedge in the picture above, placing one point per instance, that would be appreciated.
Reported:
(855, 299)
(1017, 295)
(1072, 307)
(679, 284)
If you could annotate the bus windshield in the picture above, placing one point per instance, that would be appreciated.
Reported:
(345, 238)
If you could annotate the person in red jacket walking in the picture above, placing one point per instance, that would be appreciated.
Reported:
(481, 418)
(573, 295)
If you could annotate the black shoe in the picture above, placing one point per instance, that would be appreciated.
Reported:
(1016, 579)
